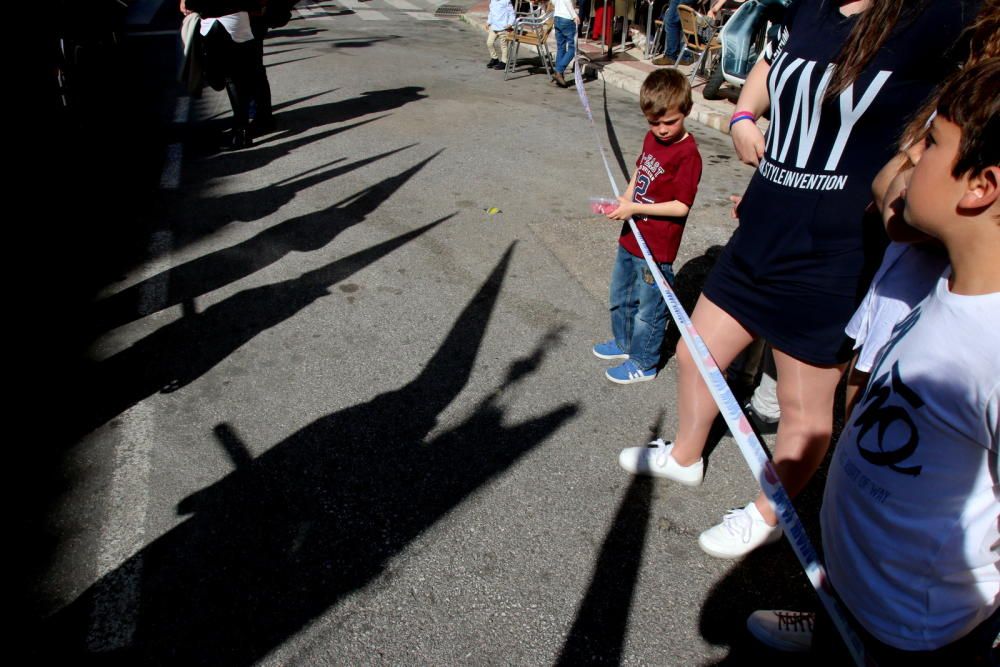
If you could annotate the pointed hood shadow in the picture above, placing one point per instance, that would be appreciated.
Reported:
(288, 62)
(322, 514)
(182, 351)
(369, 102)
(599, 631)
(217, 269)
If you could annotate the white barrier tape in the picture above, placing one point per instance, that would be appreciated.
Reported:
(750, 446)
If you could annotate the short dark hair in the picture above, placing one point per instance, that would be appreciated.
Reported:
(970, 100)
(665, 90)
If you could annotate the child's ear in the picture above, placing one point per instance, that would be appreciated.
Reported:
(983, 189)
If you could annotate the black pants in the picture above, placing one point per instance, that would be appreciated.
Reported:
(231, 65)
(261, 86)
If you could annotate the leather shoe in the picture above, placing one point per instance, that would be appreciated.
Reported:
(559, 80)
(238, 140)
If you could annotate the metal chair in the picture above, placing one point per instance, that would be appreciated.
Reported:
(532, 31)
(699, 38)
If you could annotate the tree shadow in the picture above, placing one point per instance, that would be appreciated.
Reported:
(287, 535)
(599, 631)
(209, 272)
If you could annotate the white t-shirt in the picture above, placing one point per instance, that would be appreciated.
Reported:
(911, 509)
(237, 25)
(564, 9)
(906, 276)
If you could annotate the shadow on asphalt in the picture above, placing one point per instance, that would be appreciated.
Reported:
(286, 535)
(211, 271)
(599, 631)
(178, 353)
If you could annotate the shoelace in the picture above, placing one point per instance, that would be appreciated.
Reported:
(660, 455)
(795, 621)
(738, 522)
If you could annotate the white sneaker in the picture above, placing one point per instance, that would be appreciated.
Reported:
(790, 631)
(655, 460)
(742, 530)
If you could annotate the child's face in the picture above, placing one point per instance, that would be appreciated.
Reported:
(933, 194)
(669, 127)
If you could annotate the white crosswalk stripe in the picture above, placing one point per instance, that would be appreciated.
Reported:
(368, 11)
(370, 15)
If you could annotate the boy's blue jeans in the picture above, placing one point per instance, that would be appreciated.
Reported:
(638, 312)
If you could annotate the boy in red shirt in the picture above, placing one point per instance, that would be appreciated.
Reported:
(658, 197)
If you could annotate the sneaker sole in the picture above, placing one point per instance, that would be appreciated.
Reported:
(641, 378)
(645, 472)
(608, 357)
(730, 556)
(766, 639)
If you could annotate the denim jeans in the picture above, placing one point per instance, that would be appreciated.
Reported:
(672, 27)
(565, 39)
(638, 312)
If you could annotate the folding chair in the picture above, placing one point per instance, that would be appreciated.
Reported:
(532, 31)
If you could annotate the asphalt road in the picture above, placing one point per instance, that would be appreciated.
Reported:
(337, 413)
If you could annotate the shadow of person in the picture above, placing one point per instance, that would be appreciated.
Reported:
(599, 631)
(285, 536)
(369, 102)
(688, 284)
(203, 138)
(266, 151)
(217, 269)
(180, 352)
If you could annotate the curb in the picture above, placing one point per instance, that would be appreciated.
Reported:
(628, 76)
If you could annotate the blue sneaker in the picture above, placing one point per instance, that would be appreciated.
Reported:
(609, 350)
(628, 373)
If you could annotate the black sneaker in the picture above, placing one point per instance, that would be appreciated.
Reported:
(492, 63)
(764, 425)
(500, 65)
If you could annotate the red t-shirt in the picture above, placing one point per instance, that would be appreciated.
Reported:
(665, 173)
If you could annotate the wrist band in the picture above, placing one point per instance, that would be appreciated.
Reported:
(741, 115)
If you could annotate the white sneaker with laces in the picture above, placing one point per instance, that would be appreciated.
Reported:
(742, 530)
(789, 631)
(655, 460)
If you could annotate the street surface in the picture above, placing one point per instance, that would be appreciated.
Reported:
(340, 414)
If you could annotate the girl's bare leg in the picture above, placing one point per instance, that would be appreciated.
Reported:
(696, 410)
(805, 394)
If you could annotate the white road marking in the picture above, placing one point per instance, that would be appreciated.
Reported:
(114, 616)
(404, 4)
(170, 177)
(422, 16)
(370, 15)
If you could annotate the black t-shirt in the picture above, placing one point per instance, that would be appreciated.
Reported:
(801, 216)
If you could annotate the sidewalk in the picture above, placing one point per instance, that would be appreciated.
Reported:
(628, 70)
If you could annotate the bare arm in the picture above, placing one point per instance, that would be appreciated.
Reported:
(748, 140)
(627, 208)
